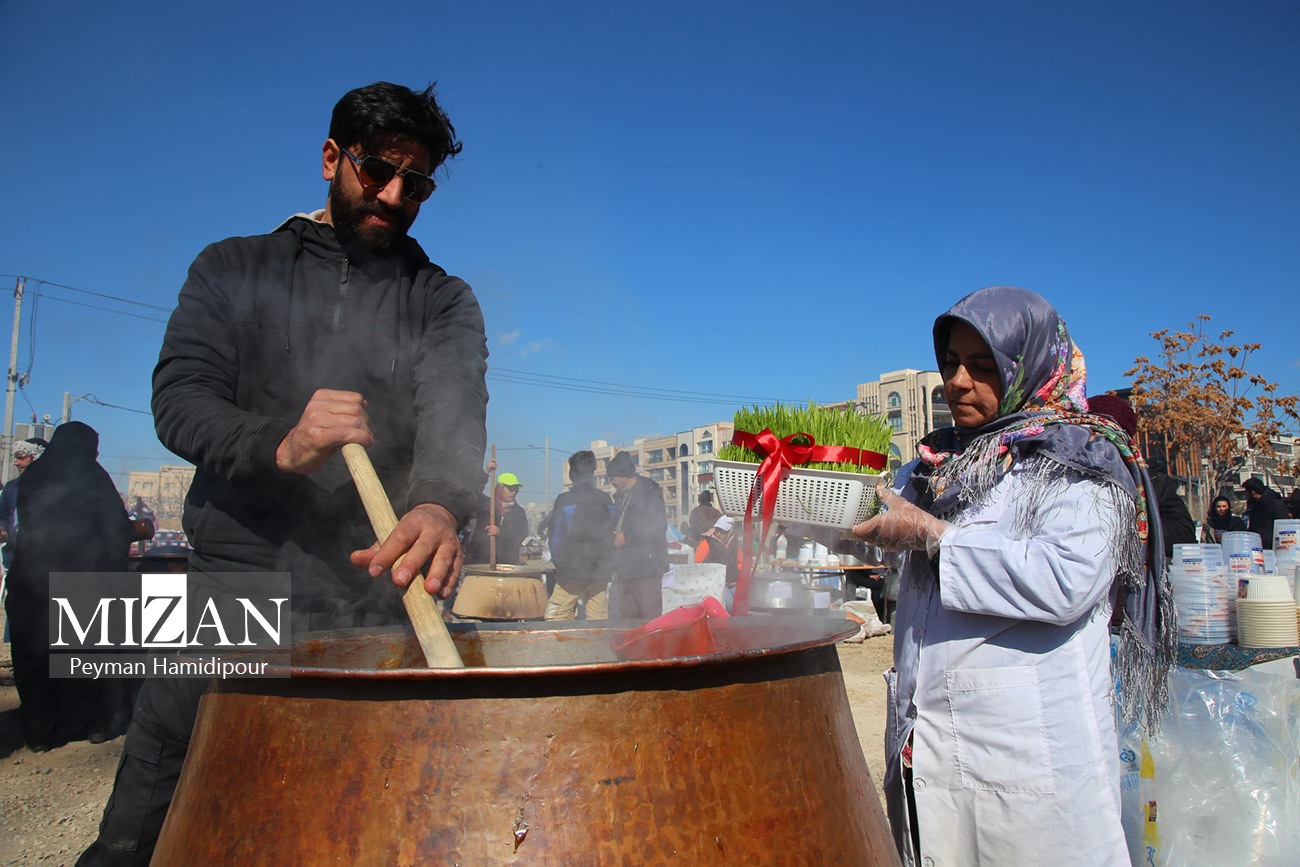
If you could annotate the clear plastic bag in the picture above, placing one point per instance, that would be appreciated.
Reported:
(1226, 773)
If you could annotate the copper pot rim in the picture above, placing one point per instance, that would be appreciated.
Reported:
(504, 570)
(814, 632)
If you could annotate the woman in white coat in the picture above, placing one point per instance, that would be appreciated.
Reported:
(1018, 524)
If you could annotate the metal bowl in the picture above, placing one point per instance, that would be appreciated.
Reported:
(779, 593)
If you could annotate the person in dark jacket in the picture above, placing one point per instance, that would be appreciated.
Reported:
(1176, 519)
(1220, 520)
(72, 521)
(510, 529)
(333, 329)
(581, 531)
(640, 540)
(1263, 507)
(702, 518)
(25, 451)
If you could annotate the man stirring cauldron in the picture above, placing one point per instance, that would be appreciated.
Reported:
(333, 329)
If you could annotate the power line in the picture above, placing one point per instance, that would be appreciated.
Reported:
(90, 398)
(594, 382)
(27, 400)
(105, 309)
(104, 295)
(558, 452)
(589, 386)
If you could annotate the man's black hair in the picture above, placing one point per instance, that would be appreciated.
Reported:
(582, 463)
(369, 115)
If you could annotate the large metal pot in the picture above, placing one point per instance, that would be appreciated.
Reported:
(544, 750)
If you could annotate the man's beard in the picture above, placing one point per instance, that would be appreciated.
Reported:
(347, 217)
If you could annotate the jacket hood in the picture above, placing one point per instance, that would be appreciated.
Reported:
(317, 236)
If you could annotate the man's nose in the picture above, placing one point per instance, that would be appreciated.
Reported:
(391, 194)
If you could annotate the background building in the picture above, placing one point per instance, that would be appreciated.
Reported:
(163, 491)
(681, 464)
(913, 402)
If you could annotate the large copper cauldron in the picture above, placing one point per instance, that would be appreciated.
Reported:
(544, 750)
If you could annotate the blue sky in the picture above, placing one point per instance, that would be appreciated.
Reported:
(751, 201)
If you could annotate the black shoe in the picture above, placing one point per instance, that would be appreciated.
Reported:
(99, 737)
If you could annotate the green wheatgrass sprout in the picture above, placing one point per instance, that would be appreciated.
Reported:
(827, 426)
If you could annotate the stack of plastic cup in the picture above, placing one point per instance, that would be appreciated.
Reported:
(1204, 592)
(1196, 559)
(1286, 551)
(1243, 553)
(1266, 612)
(1286, 537)
(1286, 547)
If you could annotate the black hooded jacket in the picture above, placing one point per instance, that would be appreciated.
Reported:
(581, 530)
(72, 517)
(639, 515)
(262, 323)
(1260, 515)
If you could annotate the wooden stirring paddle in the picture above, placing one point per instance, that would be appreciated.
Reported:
(492, 513)
(439, 650)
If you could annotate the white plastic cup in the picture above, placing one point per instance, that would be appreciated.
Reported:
(1264, 588)
(1212, 556)
(1239, 552)
(1238, 541)
(1286, 534)
(1189, 559)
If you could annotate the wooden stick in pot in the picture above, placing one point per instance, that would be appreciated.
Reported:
(492, 513)
(439, 650)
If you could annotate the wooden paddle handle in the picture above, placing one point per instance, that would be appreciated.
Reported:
(492, 512)
(439, 650)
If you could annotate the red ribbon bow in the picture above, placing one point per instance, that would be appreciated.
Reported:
(780, 455)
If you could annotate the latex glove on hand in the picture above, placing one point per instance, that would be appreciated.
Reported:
(901, 526)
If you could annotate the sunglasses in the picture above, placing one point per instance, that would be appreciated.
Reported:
(377, 173)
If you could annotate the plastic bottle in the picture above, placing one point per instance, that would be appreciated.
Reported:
(807, 551)
(1147, 792)
(782, 547)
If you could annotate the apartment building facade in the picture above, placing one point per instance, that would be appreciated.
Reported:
(681, 464)
(163, 491)
(913, 403)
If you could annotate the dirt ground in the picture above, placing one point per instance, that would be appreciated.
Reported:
(50, 803)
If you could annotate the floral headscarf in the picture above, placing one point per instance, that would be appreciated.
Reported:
(1043, 422)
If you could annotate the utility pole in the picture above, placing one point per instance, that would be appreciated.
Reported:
(6, 456)
(67, 407)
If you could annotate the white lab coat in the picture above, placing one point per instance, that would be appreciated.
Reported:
(1002, 678)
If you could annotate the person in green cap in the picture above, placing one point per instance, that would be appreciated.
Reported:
(510, 527)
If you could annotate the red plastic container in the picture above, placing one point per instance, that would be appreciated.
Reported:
(681, 632)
